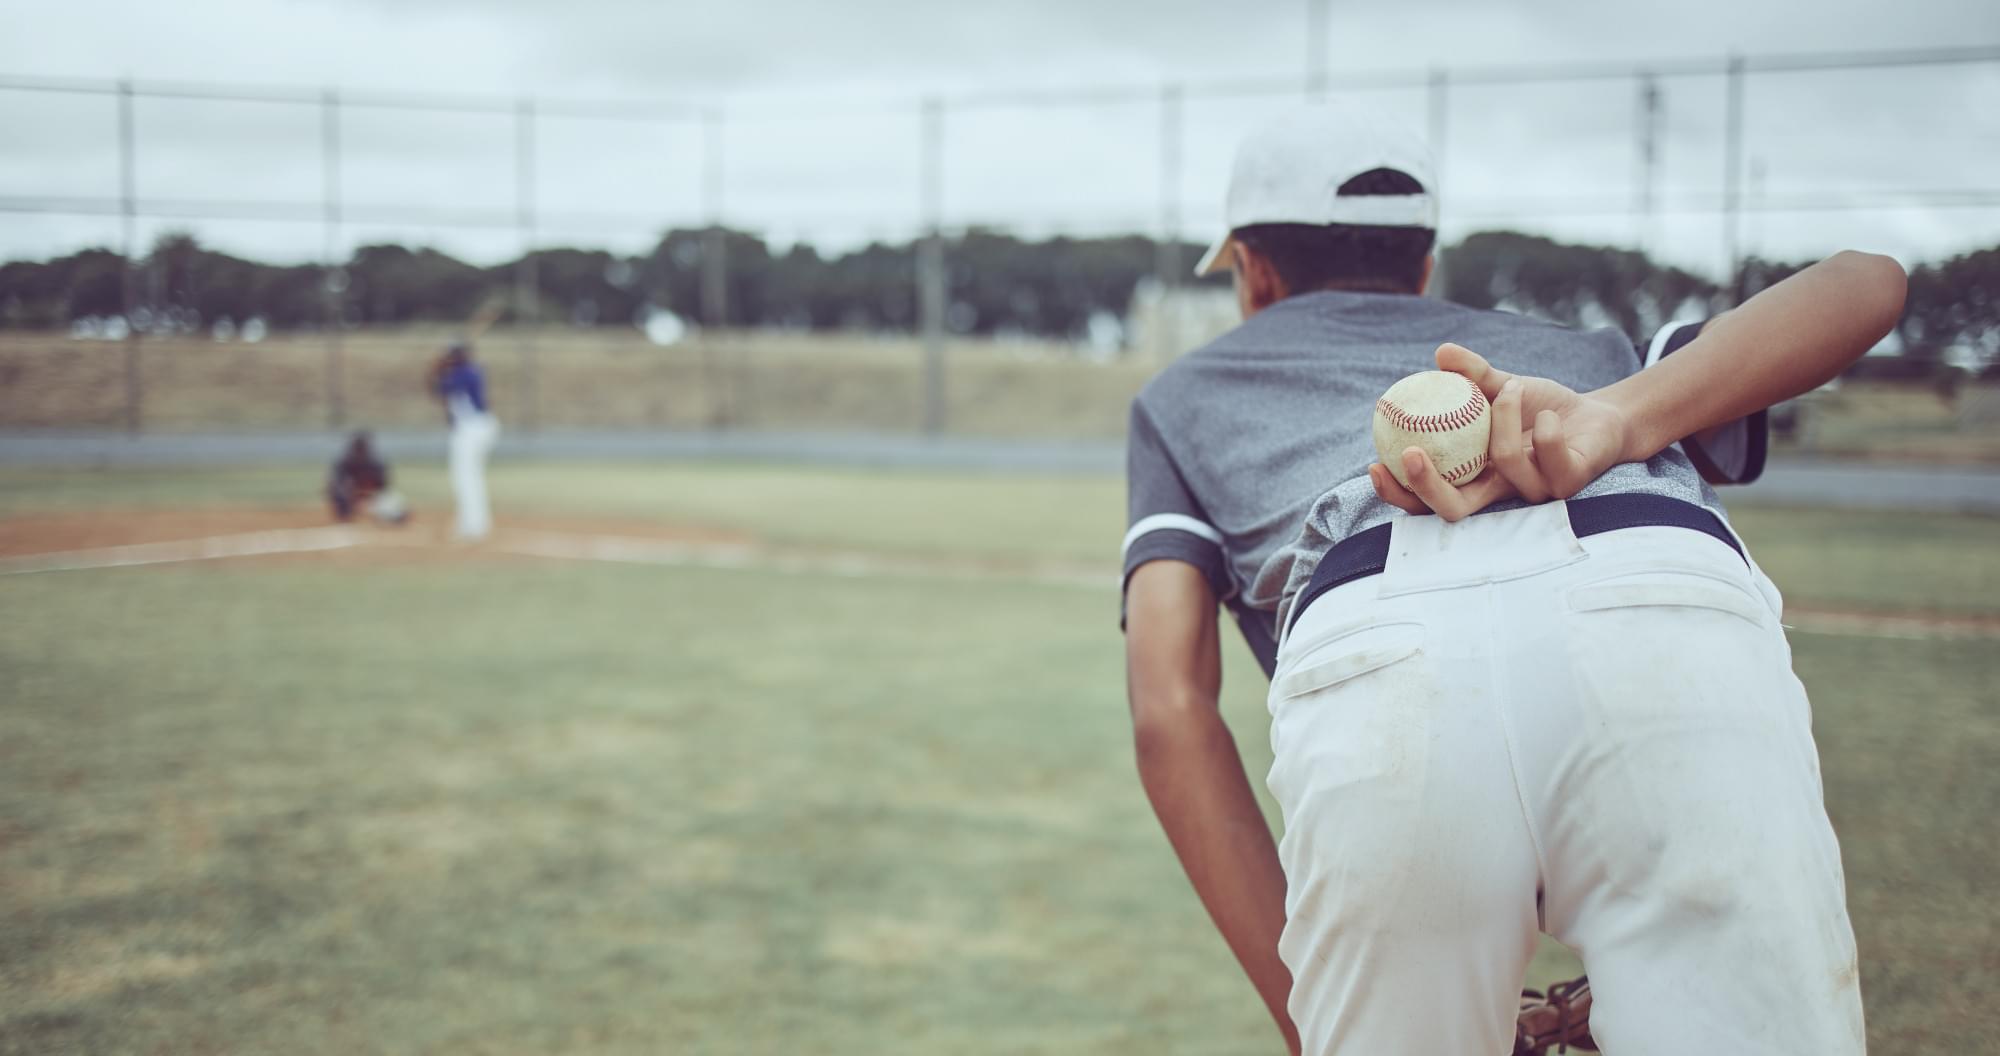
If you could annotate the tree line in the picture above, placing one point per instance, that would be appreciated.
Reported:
(995, 284)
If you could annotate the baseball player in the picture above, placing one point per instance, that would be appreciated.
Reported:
(1564, 703)
(460, 385)
(359, 483)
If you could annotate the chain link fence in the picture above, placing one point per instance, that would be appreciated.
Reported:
(1701, 160)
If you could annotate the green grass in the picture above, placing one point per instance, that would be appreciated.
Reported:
(1909, 738)
(300, 810)
(1890, 559)
(1846, 559)
(517, 807)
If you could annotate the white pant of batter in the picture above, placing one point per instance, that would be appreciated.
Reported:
(1610, 724)
(472, 437)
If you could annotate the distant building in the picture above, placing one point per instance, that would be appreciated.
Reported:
(1163, 323)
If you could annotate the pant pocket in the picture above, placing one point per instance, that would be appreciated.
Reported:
(1353, 718)
(1350, 656)
(1673, 590)
(1689, 722)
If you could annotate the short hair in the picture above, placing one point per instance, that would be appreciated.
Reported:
(1365, 257)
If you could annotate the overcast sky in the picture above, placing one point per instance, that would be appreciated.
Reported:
(821, 135)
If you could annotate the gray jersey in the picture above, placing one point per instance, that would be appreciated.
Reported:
(1248, 458)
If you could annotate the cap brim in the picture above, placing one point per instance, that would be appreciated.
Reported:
(1216, 259)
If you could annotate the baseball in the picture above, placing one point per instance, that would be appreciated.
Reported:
(1443, 413)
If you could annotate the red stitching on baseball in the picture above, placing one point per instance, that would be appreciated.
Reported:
(1469, 467)
(1465, 414)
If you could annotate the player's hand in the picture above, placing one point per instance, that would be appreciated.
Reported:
(1548, 442)
(1428, 492)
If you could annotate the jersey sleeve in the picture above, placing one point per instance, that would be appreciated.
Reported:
(1165, 522)
(1736, 453)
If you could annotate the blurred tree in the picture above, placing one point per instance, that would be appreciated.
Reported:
(1955, 304)
(52, 294)
(391, 284)
(581, 286)
(1589, 286)
(996, 283)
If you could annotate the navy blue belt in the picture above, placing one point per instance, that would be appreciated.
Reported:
(1367, 553)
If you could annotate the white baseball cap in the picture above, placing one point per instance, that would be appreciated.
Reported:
(1289, 171)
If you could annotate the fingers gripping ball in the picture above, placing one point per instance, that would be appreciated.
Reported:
(1443, 413)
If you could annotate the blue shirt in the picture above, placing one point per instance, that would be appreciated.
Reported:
(464, 390)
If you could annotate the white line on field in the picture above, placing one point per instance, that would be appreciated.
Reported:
(757, 558)
(750, 557)
(1901, 628)
(744, 556)
(248, 544)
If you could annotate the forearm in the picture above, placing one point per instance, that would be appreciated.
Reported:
(1196, 782)
(1781, 343)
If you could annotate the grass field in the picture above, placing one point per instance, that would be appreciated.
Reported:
(596, 379)
(613, 379)
(446, 803)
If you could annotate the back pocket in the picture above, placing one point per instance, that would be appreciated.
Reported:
(1354, 653)
(1669, 590)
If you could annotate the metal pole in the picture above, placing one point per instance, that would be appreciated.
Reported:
(336, 393)
(930, 264)
(128, 203)
(1649, 158)
(527, 293)
(1167, 254)
(1732, 174)
(714, 288)
(1316, 42)
(720, 381)
(1437, 99)
(1753, 198)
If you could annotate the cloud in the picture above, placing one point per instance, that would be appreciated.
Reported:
(822, 141)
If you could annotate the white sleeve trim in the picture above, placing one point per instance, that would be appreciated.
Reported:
(1160, 522)
(1665, 334)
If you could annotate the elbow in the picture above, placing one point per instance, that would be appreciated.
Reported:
(1881, 285)
(1165, 727)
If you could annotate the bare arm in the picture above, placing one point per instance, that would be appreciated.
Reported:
(1193, 775)
(1783, 342)
(1548, 441)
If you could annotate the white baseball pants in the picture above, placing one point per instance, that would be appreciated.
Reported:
(472, 437)
(1511, 729)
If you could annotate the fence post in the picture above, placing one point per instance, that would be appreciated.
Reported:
(1732, 174)
(930, 264)
(527, 287)
(1167, 254)
(718, 378)
(1437, 103)
(128, 205)
(1316, 33)
(334, 288)
(1649, 158)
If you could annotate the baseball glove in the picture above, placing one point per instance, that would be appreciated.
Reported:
(1556, 1021)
